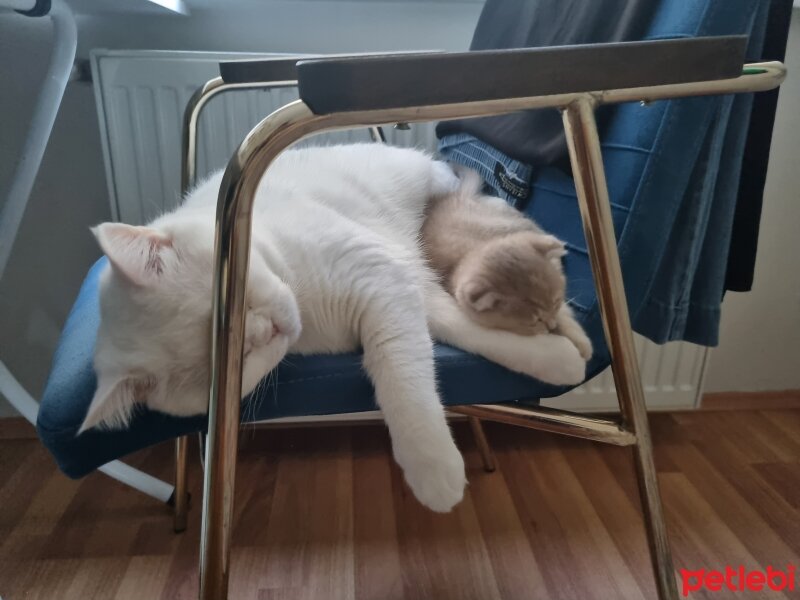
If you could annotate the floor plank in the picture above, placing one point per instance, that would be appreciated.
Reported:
(325, 513)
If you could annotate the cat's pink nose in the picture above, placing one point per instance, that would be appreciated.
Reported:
(275, 330)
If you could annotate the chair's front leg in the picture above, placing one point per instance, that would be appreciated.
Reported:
(227, 344)
(590, 182)
(232, 252)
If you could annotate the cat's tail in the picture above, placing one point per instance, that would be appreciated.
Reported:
(453, 179)
(470, 181)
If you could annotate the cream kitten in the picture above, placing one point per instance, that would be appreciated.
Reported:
(502, 269)
(335, 266)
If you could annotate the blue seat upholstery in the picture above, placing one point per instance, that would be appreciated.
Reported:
(650, 154)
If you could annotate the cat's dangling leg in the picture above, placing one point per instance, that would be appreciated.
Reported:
(567, 326)
(398, 356)
(550, 358)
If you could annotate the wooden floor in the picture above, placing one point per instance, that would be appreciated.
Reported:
(322, 513)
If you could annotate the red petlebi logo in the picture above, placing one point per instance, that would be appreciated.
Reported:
(739, 580)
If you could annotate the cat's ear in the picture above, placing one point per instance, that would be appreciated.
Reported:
(114, 401)
(550, 246)
(137, 253)
(482, 299)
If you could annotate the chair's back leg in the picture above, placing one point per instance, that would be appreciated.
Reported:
(590, 182)
(487, 456)
(181, 494)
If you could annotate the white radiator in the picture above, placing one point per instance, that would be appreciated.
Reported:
(141, 96)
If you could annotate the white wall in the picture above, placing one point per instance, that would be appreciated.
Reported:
(760, 339)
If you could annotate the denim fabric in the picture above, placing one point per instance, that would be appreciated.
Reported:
(672, 169)
(508, 178)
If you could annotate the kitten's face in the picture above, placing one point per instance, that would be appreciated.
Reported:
(155, 303)
(517, 285)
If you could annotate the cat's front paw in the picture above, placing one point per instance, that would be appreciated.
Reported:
(561, 362)
(568, 367)
(435, 475)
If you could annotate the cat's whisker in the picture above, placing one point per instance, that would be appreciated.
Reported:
(255, 403)
(275, 386)
(258, 399)
(185, 377)
(262, 388)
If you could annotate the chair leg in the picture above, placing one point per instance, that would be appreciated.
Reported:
(181, 497)
(590, 182)
(487, 456)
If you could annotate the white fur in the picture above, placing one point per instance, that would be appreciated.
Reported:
(335, 265)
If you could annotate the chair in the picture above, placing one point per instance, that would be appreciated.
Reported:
(370, 91)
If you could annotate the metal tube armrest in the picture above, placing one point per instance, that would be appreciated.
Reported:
(358, 83)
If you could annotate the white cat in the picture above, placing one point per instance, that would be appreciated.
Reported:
(335, 266)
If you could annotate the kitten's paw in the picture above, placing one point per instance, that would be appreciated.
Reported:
(583, 344)
(568, 367)
(435, 475)
(560, 364)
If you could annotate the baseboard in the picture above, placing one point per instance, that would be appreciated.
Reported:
(780, 399)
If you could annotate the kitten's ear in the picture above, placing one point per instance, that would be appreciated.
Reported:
(482, 299)
(114, 401)
(550, 246)
(137, 253)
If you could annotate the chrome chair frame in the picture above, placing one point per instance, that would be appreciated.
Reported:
(296, 121)
(191, 120)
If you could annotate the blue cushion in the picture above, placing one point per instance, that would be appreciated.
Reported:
(306, 385)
